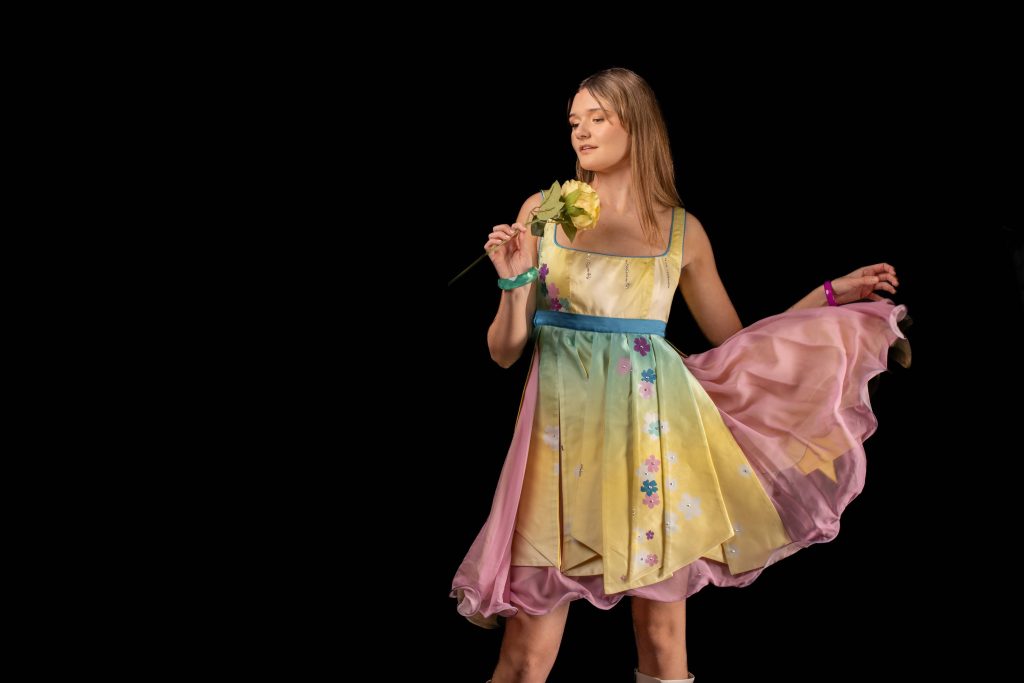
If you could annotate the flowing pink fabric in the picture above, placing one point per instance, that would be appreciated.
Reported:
(482, 583)
(786, 384)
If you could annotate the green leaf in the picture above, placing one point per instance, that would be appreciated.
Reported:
(548, 214)
(552, 198)
(571, 198)
(570, 230)
(537, 228)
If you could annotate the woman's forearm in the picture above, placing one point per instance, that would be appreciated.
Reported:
(507, 335)
(814, 299)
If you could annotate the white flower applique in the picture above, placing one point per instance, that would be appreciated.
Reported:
(655, 427)
(551, 437)
(689, 506)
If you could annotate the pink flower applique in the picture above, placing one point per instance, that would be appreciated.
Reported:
(653, 464)
(651, 559)
(644, 389)
(651, 500)
(624, 366)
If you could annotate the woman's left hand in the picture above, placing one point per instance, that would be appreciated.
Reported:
(862, 283)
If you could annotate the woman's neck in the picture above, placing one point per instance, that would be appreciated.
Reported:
(615, 190)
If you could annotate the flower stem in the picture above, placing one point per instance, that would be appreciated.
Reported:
(467, 269)
(486, 253)
(503, 242)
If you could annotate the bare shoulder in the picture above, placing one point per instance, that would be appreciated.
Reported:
(695, 240)
(693, 224)
(532, 202)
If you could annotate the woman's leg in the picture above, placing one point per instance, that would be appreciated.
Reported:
(660, 629)
(530, 646)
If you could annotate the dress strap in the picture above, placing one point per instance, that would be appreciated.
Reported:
(672, 261)
(678, 233)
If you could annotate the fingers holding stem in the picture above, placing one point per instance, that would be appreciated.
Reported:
(511, 232)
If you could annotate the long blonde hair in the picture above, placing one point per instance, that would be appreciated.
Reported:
(654, 177)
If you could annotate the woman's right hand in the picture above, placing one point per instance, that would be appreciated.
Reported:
(511, 259)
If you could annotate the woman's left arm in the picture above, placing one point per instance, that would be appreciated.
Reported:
(860, 284)
(702, 287)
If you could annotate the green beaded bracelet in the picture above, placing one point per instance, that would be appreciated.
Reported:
(519, 280)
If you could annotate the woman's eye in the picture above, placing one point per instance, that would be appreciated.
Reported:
(573, 125)
(598, 120)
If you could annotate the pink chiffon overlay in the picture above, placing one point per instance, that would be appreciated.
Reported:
(791, 388)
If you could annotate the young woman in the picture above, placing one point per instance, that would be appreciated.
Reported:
(634, 469)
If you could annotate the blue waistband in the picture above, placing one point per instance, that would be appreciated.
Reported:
(596, 323)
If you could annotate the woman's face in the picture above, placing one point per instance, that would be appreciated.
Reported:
(598, 137)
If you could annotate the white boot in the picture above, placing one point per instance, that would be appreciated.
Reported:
(644, 678)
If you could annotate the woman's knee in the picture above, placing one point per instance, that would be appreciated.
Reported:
(527, 664)
(661, 635)
(531, 643)
(660, 625)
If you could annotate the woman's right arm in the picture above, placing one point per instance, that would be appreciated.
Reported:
(507, 335)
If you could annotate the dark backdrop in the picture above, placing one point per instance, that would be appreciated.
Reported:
(799, 171)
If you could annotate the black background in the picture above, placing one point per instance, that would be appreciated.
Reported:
(801, 168)
(363, 425)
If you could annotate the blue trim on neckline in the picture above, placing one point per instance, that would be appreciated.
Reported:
(671, 236)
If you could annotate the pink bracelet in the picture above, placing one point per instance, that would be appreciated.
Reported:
(829, 295)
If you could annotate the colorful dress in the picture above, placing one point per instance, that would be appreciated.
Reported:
(637, 470)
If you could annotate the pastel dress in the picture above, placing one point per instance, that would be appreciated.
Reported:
(635, 469)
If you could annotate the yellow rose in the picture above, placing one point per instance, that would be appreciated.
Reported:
(583, 222)
(587, 207)
(590, 204)
(570, 186)
(574, 206)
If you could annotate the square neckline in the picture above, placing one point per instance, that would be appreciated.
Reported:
(671, 236)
